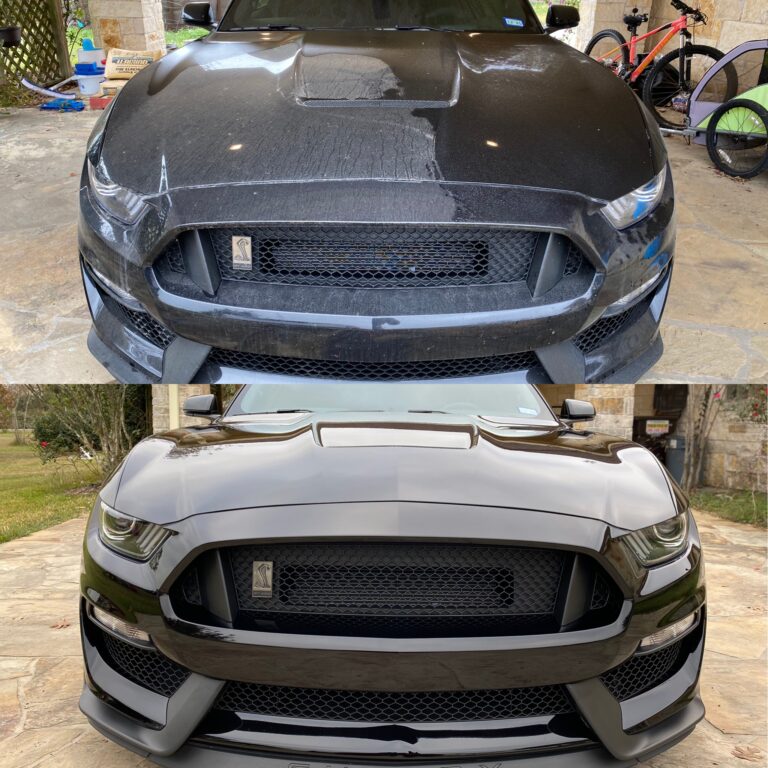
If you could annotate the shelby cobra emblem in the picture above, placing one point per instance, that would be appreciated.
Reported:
(262, 579)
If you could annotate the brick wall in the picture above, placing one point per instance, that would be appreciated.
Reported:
(736, 453)
(136, 25)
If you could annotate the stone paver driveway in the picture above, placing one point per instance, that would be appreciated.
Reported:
(41, 672)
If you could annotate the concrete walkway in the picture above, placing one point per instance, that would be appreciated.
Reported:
(715, 327)
(41, 673)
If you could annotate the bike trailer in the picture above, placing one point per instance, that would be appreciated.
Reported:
(741, 74)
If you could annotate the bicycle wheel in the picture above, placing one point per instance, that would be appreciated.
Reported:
(737, 138)
(603, 48)
(666, 94)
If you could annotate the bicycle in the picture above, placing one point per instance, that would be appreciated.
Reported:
(667, 83)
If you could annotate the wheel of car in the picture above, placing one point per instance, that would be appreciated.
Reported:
(663, 93)
(605, 42)
(737, 138)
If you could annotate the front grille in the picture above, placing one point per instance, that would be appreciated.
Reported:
(394, 707)
(400, 589)
(144, 666)
(404, 370)
(377, 255)
(641, 673)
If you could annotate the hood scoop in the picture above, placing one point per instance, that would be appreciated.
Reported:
(377, 78)
(378, 435)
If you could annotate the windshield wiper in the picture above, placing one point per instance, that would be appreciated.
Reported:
(267, 28)
(418, 28)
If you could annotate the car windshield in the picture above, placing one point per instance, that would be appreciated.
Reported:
(448, 15)
(505, 403)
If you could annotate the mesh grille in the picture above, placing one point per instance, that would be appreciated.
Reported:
(597, 333)
(145, 667)
(376, 256)
(601, 593)
(147, 326)
(400, 589)
(640, 673)
(394, 707)
(573, 260)
(341, 369)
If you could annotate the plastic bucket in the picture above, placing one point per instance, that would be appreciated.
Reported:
(90, 85)
(96, 56)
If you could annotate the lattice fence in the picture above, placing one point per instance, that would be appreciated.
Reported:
(42, 55)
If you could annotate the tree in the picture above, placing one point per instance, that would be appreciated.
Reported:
(704, 403)
(7, 406)
(100, 416)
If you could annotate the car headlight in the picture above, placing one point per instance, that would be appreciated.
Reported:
(638, 204)
(658, 543)
(128, 535)
(119, 202)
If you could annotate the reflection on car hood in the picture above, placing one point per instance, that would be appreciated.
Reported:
(316, 459)
(491, 108)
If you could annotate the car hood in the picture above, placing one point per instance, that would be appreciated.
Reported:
(489, 108)
(330, 459)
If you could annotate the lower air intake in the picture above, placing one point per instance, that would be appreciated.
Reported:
(394, 707)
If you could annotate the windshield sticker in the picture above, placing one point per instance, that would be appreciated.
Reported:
(527, 411)
(513, 22)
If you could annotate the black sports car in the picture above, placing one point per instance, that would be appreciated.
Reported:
(377, 189)
(331, 575)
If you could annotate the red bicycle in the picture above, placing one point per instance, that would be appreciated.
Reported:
(666, 83)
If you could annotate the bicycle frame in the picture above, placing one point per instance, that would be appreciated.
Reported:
(679, 26)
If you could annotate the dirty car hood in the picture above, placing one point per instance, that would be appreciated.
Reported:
(354, 458)
(488, 108)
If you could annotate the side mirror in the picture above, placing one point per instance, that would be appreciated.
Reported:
(576, 410)
(204, 406)
(198, 15)
(561, 17)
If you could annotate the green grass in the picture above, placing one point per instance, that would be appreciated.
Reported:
(540, 7)
(739, 506)
(34, 495)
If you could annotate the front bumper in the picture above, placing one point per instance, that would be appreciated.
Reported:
(603, 730)
(149, 329)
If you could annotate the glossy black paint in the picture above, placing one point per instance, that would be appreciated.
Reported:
(283, 463)
(274, 478)
(489, 128)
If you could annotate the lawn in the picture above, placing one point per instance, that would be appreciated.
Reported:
(34, 495)
(540, 6)
(739, 506)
